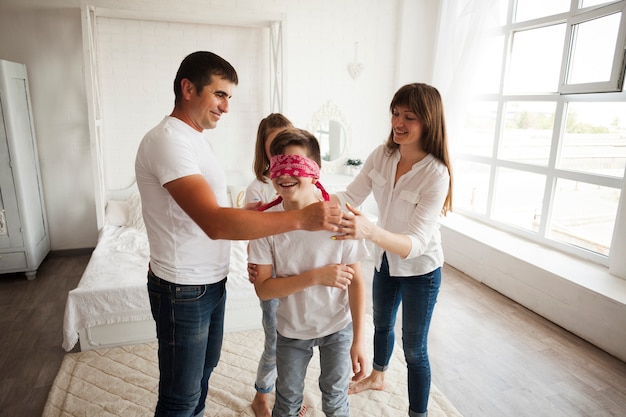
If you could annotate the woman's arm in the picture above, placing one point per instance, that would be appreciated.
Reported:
(418, 229)
(355, 225)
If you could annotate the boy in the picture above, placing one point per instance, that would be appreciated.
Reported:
(318, 282)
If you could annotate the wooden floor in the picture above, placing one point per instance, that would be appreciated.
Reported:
(31, 325)
(489, 356)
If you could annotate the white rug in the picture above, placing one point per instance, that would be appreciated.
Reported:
(122, 381)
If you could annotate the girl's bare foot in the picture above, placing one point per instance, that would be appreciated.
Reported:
(260, 405)
(375, 381)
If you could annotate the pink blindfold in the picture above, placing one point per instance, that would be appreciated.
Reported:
(294, 166)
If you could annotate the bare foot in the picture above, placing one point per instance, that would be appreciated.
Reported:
(303, 411)
(375, 381)
(260, 406)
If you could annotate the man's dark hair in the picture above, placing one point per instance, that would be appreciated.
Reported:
(198, 67)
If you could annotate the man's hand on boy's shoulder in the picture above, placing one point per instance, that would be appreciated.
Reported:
(323, 215)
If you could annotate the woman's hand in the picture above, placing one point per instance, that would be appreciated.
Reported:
(354, 225)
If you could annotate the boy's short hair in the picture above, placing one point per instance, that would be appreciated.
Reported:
(298, 137)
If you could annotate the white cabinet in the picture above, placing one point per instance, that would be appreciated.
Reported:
(24, 239)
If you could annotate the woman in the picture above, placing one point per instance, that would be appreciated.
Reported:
(411, 179)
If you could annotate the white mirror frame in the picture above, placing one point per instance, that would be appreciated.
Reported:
(330, 111)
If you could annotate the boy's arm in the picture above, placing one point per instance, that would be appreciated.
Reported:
(266, 288)
(356, 296)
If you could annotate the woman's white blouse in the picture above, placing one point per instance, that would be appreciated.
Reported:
(412, 207)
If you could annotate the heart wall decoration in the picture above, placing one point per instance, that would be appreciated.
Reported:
(355, 68)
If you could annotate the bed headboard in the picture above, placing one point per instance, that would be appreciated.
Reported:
(122, 194)
(236, 192)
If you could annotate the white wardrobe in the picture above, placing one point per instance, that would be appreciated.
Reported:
(24, 239)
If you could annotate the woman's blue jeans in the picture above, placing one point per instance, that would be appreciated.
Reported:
(418, 295)
(190, 327)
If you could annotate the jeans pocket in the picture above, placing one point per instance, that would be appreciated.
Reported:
(189, 293)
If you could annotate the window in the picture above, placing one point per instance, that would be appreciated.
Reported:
(594, 52)
(543, 148)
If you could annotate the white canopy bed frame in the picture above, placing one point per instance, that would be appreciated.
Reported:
(110, 305)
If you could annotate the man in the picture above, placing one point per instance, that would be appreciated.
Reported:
(183, 193)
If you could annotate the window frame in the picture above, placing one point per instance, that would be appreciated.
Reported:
(613, 261)
(616, 81)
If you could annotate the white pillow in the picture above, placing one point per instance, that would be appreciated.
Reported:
(237, 195)
(116, 213)
(135, 218)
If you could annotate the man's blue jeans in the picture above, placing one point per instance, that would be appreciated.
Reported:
(266, 371)
(418, 295)
(190, 327)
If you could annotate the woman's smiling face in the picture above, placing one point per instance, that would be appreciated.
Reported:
(407, 127)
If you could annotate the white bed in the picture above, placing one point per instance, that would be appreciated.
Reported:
(110, 305)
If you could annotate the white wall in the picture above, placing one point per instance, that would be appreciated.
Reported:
(319, 44)
(54, 59)
(137, 60)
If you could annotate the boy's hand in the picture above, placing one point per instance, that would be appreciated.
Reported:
(338, 275)
(359, 362)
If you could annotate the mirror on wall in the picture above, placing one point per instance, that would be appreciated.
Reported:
(331, 129)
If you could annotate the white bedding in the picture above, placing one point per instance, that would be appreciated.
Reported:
(113, 287)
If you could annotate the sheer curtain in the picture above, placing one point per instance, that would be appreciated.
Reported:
(461, 45)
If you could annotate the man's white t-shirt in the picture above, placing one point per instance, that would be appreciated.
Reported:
(319, 310)
(180, 252)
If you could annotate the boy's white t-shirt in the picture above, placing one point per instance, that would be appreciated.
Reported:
(180, 251)
(319, 310)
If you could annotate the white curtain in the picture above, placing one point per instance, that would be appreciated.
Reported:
(461, 42)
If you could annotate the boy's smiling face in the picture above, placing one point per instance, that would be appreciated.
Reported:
(297, 192)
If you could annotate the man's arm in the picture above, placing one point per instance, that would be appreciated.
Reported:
(266, 287)
(195, 196)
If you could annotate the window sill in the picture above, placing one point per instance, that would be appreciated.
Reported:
(587, 274)
(576, 294)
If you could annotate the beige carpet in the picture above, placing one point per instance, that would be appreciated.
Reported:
(123, 381)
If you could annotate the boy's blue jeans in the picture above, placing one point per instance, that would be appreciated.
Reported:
(292, 359)
(190, 327)
(418, 295)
